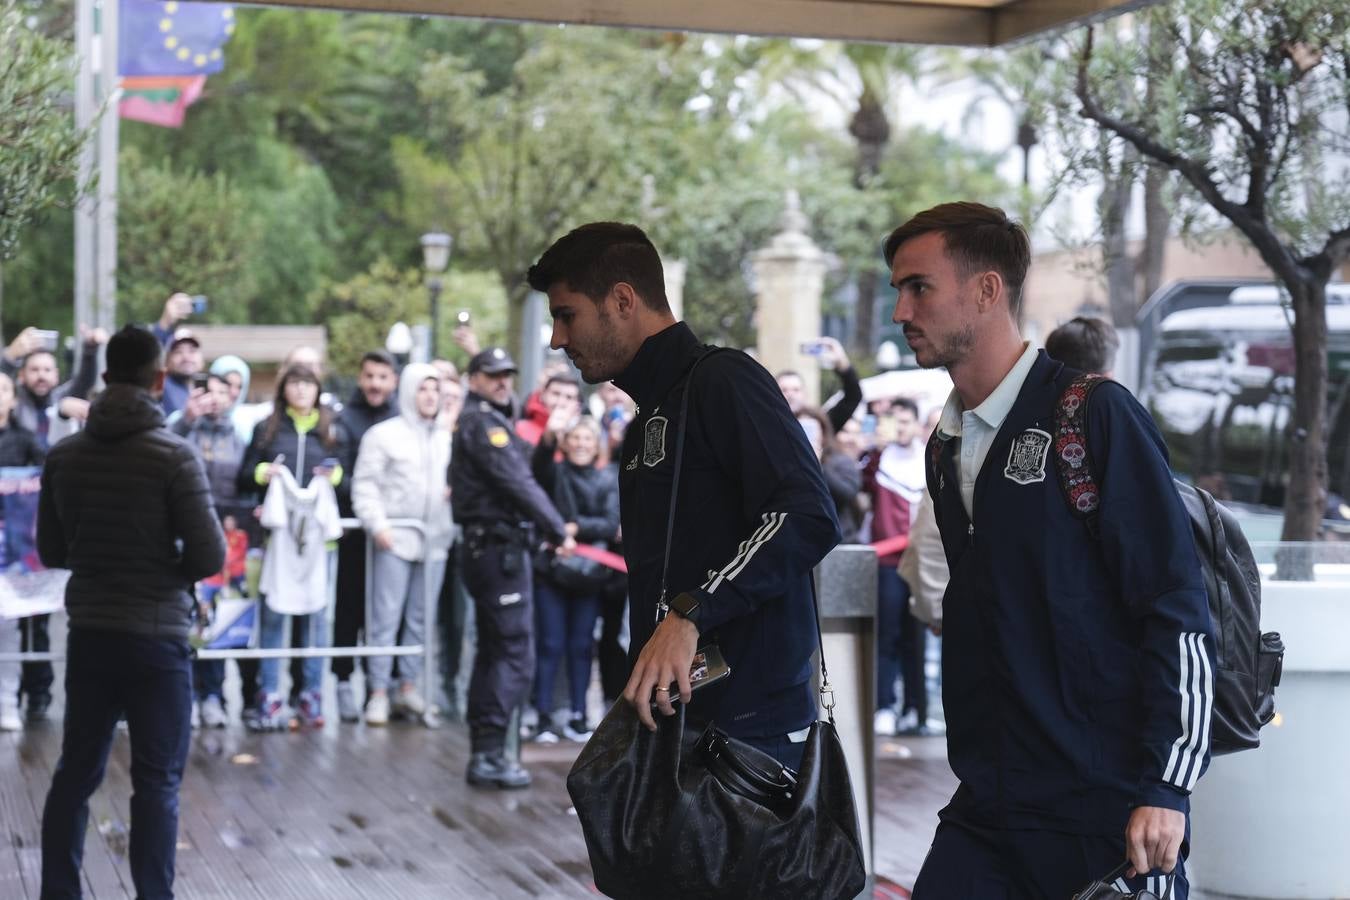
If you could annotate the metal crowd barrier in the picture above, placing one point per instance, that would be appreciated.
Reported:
(427, 649)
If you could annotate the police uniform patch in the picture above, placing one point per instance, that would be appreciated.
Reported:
(1026, 459)
(654, 441)
(498, 437)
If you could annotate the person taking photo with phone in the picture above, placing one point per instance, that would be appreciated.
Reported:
(31, 360)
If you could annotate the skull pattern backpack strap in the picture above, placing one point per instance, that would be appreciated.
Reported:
(1073, 454)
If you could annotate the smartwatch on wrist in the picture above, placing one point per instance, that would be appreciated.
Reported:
(686, 606)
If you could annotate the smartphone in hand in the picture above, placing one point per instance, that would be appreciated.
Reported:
(708, 667)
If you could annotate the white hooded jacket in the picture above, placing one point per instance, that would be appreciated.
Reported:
(401, 473)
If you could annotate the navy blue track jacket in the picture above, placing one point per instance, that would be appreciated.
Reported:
(1077, 677)
(753, 518)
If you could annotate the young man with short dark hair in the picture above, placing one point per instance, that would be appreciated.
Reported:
(129, 598)
(754, 515)
(1077, 679)
(375, 400)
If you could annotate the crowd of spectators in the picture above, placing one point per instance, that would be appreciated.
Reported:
(285, 470)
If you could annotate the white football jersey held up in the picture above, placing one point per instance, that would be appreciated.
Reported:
(300, 522)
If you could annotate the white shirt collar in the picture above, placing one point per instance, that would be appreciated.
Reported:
(998, 404)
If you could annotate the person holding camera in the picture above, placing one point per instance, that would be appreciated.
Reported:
(567, 591)
(206, 426)
(31, 360)
(831, 354)
(185, 362)
(295, 457)
(129, 601)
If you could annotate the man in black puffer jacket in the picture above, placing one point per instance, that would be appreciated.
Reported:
(126, 507)
(374, 401)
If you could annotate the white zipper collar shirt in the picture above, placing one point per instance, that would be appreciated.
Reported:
(975, 429)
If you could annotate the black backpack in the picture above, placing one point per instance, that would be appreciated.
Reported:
(1247, 663)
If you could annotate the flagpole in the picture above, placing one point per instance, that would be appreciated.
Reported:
(109, 127)
(86, 207)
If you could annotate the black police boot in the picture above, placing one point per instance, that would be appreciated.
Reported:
(495, 770)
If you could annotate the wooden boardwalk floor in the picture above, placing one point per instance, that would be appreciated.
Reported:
(351, 811)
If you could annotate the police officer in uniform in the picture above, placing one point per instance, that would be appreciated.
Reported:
(500, 506)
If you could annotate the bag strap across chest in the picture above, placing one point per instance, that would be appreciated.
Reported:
(663, 607)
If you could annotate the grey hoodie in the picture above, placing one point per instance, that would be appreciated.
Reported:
(401, 472)
(126, 507)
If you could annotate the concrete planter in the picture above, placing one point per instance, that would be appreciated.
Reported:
(1274, 823)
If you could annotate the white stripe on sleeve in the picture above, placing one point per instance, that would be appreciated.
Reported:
(772, 523)
(1196, 689)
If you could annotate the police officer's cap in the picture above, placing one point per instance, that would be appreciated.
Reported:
(492, 361)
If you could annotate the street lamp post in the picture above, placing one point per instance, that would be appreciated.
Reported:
(435, 257)
(399, 342)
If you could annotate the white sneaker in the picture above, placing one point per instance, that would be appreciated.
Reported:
(348, 711)
(9, 717)
(377, 709)
(884, 723)
(908, 723)
(529, 723)
(409, 702)
(196, 714)
(576, 729)
(213, 713)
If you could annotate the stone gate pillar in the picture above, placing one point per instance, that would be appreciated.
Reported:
(789, 282)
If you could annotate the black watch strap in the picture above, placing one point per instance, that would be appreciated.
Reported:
(686, 606)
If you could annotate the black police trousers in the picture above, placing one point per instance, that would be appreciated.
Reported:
(498, 576)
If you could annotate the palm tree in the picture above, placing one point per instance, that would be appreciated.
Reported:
(863, 81)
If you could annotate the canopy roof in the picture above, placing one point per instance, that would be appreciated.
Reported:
(984, 23)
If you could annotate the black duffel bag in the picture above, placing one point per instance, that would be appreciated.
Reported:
(684, 814)
(697, 814)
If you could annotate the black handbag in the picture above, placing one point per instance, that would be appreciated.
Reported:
(572, 574)
(685, 814)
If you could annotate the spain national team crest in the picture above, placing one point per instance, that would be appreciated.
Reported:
(654, 441)
(1026, 459)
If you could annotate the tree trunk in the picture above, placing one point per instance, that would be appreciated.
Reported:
(865, 316)
(1305, 499)
(1113, 208)
(871, 129)
(515, 317)
(1157, 225)
(1306, 495)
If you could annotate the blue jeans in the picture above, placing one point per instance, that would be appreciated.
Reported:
(313, 632)
(150, 680)
(564, 625)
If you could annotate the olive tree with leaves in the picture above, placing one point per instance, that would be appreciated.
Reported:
(39, 143)
(1252, 113)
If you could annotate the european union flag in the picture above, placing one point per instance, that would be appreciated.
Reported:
(167, 37)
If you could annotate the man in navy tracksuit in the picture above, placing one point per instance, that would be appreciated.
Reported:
(1077, 678)
(753, 515)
